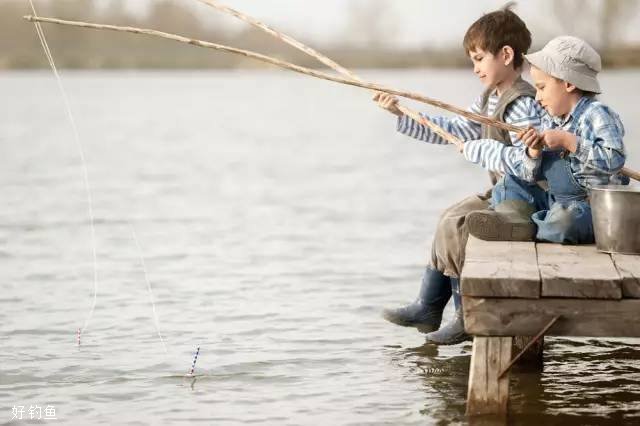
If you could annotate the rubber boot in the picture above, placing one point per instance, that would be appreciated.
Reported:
(509, 221)
(451, 333)
(425, 313)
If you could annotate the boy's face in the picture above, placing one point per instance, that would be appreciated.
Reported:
(491, 69)
(553, 94)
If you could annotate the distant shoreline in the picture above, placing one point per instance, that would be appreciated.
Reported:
(172, 59)
(73, 49)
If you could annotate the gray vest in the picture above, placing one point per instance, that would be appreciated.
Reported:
(519, 88)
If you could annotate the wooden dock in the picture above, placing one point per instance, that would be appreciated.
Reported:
(514, 289)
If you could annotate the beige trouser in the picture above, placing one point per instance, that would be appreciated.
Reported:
(449, 242)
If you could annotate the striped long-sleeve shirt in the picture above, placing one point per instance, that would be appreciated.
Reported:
(600, 152)
(491, 154)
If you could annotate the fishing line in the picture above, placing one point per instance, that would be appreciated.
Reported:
(47, 52)
(49, 56)
(146, 278)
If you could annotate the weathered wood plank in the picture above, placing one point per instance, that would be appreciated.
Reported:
(500, 269)
(628, 267)
(486, 394)
(526, 317)
(578, 272)
(477, 385)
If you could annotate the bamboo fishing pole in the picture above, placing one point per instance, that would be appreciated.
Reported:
(283, 64)
(296, 68)
(342, 70)
(331, 64)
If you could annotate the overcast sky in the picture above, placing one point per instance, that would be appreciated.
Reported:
(435, 23)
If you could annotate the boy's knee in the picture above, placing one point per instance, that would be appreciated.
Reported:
(569, 224)
(513, 188)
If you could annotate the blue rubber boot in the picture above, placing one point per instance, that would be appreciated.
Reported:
(451, 333)
(426, 312)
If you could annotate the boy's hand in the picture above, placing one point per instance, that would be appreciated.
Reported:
(532, 139)
(388, 102)
(556, 139)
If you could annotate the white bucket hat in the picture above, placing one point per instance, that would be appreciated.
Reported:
(570, 59)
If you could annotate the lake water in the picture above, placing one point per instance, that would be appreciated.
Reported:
(276, 216)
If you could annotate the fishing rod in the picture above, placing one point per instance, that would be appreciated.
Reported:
(282, 64)
(479, 118)
(331, 64)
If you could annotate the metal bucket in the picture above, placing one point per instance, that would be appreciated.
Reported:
(616, 218)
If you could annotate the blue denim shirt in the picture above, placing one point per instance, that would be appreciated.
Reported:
(600, 152)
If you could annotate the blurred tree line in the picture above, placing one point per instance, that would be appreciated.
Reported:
(601, 24)
(83, 48)
(366, 41)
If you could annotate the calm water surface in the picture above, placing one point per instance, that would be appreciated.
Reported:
(276, 216)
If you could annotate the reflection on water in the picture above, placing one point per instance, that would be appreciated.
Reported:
(277, 215)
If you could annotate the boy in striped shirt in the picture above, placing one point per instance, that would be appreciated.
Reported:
(581, 146)
(495, 43)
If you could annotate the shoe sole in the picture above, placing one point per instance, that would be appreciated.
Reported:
(492, 228)
(422, 327)
(457, 341)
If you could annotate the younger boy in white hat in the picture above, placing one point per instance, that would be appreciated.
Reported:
(579, 145)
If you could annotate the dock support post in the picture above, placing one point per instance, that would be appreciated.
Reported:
(486, 393)
(531, 361)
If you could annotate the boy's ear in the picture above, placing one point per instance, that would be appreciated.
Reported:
(570, 88)
(508, 55)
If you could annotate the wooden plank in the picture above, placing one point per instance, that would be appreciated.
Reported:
(526, 317)
(500, 269)
(486, 393)
(577, 272)
(628, 267)
(477, 386)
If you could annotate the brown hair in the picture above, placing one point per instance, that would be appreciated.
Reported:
(497, 29)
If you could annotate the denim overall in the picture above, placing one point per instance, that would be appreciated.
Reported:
(564, 213)
(568, 219)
